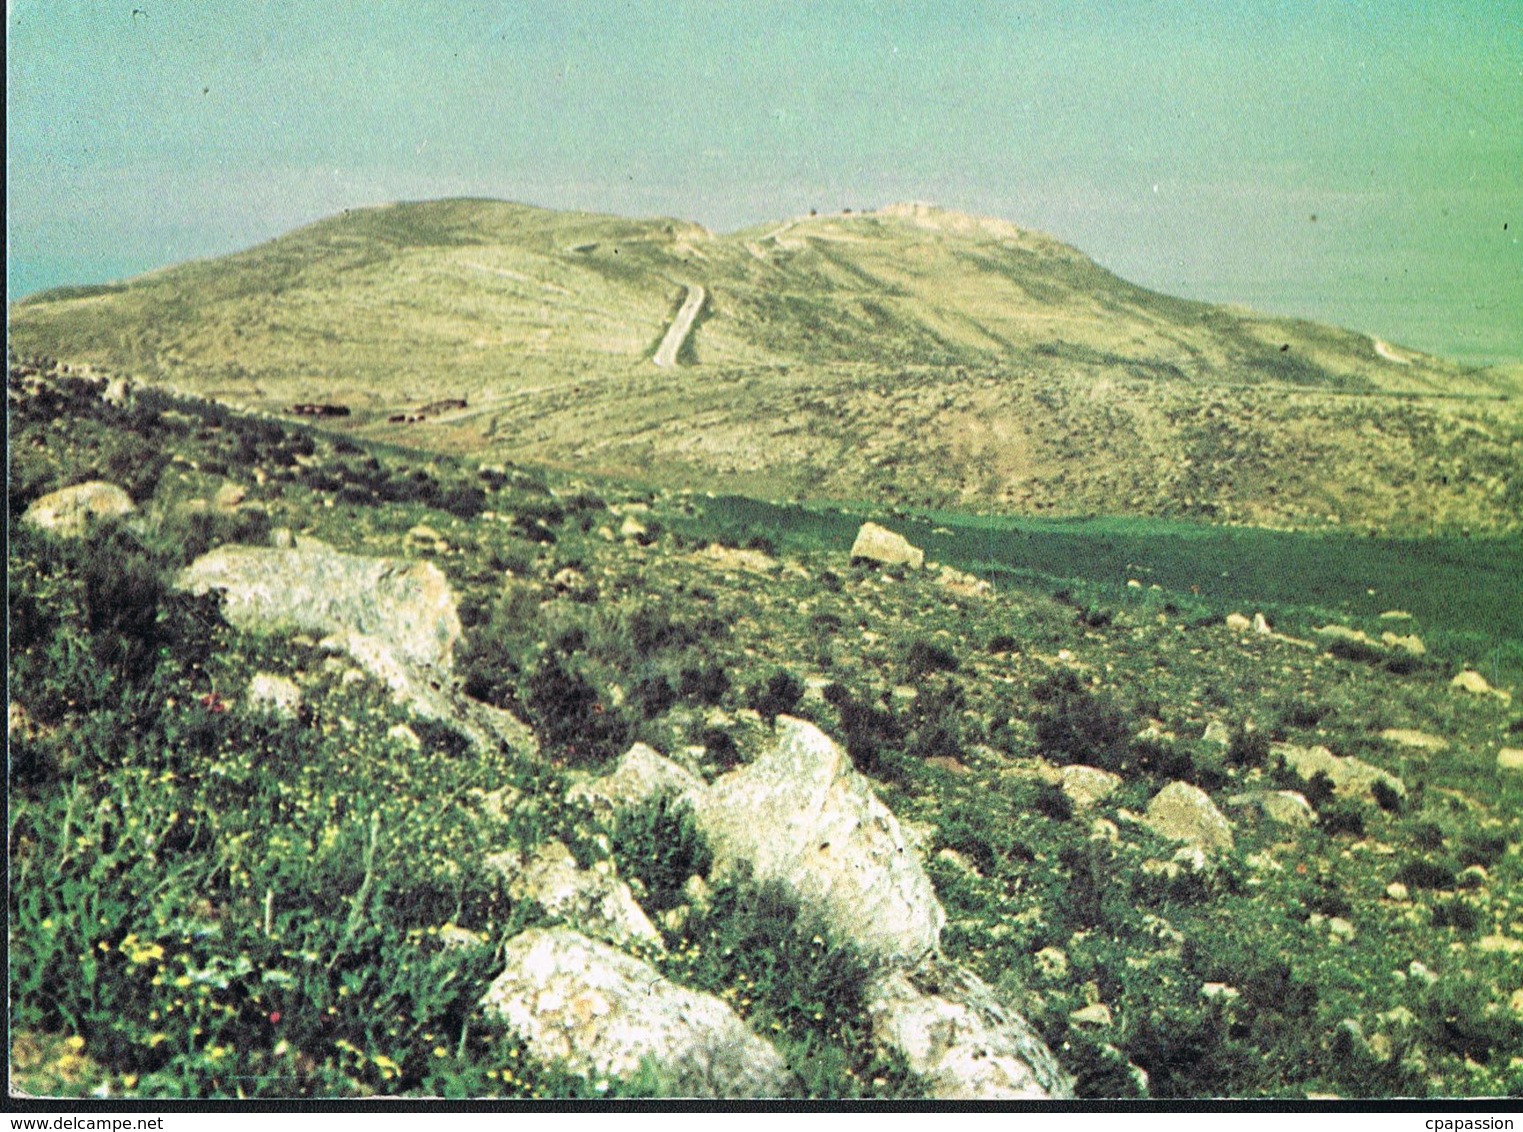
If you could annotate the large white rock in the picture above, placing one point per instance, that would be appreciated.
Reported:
(1349, 776)
(406, 605)
(598, 1011)
(954, 1032)
(593, 900)
(72, 511)
(1182, 812)
(396, 619)
(879, 544)
(802, 815)
(641, 774)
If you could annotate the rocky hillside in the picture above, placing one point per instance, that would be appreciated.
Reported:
(338, 771)
(909, 356)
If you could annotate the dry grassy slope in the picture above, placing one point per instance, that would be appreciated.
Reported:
(908, 354)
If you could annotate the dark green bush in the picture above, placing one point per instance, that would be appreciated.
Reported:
(659, 843)
(570, 717)
(1425, 874)
(923, 657)
(777, 696)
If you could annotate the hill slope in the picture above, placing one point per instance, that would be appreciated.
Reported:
(910, 355)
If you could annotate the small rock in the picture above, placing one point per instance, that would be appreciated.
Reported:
(1505, 944)
(229, 496)
(726, 558)
(1261, 625)
(1217, 732)
(405, 735)
(424, 537)
(632, 528)
(276, 695)
(963, 585)
(640, 774)
(1219, 992)
(1398, 892)
(1419, 971)
(957, 860)
(1396, 615)
(1238, 623)
(1182, 812)
(1286, 807)
(1339, 928)
(1417, 740)
(72, 511)
(1349, 776)
(1087, 785)
(1515, 1004)
(1052, 963)
(281, 538)
(1411, 644)
(1510, 758)
(1473, 682)
(594, 901)
(1096, 1014)
(1103, 829)
(879, 544)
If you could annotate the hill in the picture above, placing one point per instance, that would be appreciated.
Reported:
(254, 854)
(908, 355)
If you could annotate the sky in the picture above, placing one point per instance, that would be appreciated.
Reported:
(1359, 163)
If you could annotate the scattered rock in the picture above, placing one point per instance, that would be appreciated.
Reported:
(1473, 682)
(422, 537)
(276, 695)
(954, 1032)
(229, 496)
(1418, 740)
(1398, 892)
(1510, 758)
(1182, 812)
(1396, 615)
(1217, 732)
(1349, 776)
(1505, 944)
(595, 900)
(1238, 623)
(961, 584)
(957, 861)
(879, 544)
(1096, 1014)
(596, 1011)
(632, 528)
(640, 774)
(1411, 644)
(802, 815)
(1220, 992)
(72, 511)
(1261, 625)
(1285, 807)
(1052, 963)
(1088, 785)
(727, 558)
(1341, 929)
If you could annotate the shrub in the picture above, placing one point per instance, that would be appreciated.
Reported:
(653, 695)
(924, 657)
(707, 683)
(1456, 913)
(1247, 748)
(721, 747)
(1074, 726)
(1003, 642)
(659, 843)
(1386, 796)
(570, 717)
(777, 696)
(1342, 819)
(1425, 874)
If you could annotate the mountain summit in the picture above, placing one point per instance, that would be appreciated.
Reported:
(909, 354)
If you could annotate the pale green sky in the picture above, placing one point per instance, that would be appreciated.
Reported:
(1185, 145)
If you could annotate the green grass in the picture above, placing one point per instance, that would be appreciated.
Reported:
(1463, 592)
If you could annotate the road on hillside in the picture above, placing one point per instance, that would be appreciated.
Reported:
(676, 334)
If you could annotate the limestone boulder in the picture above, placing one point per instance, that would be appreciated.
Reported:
(1350, 777)
(962, 584)
(879, 544)
(1182, 812)
(1510, 758)
(595, 900)
(1283, 807)
(802, 815)
(72, 511)
(730, 558)
(954, 1032)
(273, 695)
(599, 1012)
(640, 775)
(408, 606)
(1088, 785)
(1415, 740)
